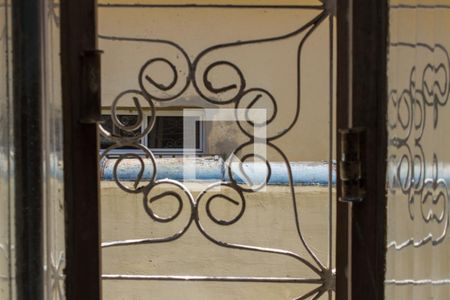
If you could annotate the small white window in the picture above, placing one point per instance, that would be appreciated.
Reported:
(165, 138)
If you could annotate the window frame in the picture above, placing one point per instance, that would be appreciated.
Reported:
(144, 141)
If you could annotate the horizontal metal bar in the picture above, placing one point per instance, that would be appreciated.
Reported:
(417, 282)
(233, 6)
(419, 6)
(135, 242)
(191, 5)
(214, 279)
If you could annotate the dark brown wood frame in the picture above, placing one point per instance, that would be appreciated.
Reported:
(79, 36)
(361, 227)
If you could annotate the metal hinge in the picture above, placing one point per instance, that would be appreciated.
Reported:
(90, 106)
(351, 165)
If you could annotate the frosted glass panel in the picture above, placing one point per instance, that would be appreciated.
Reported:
(418, 254)
(53, 263)
(6, 154)
(53, 156)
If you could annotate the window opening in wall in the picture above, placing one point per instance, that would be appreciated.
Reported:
(167, 134)
(126, 120)
(166, 137)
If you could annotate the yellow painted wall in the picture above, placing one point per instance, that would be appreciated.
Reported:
(268, 221)
(272, 66)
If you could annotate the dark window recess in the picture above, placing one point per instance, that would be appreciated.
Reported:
(168, 133)
(126, 120)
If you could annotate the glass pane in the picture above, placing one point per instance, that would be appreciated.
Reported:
(168, 133)
(53, 155)
(418, 254)
(54, 244)
(126, 121)
(6, 155)
(251, 217)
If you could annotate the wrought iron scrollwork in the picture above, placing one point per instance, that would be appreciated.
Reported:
(200, 73)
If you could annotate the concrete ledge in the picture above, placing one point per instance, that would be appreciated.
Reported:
(216, 169)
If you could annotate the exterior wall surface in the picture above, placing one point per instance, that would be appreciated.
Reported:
(126, 36)
(268, 222)
(247, 229)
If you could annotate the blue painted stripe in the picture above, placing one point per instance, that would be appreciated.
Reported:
(305, 173)
(210, 169)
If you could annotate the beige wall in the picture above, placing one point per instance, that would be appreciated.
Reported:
(268, 221)
(269, 218)
(271, 66)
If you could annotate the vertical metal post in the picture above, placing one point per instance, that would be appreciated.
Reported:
(343, 213)
(362, 102)
(80, 89)
(27, 93)
(369, 110)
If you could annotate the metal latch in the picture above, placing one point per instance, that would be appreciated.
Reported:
(90, 106)
(351, 165)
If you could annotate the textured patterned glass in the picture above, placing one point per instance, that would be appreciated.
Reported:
(53, 155)
(418, 254)
(6, 154)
